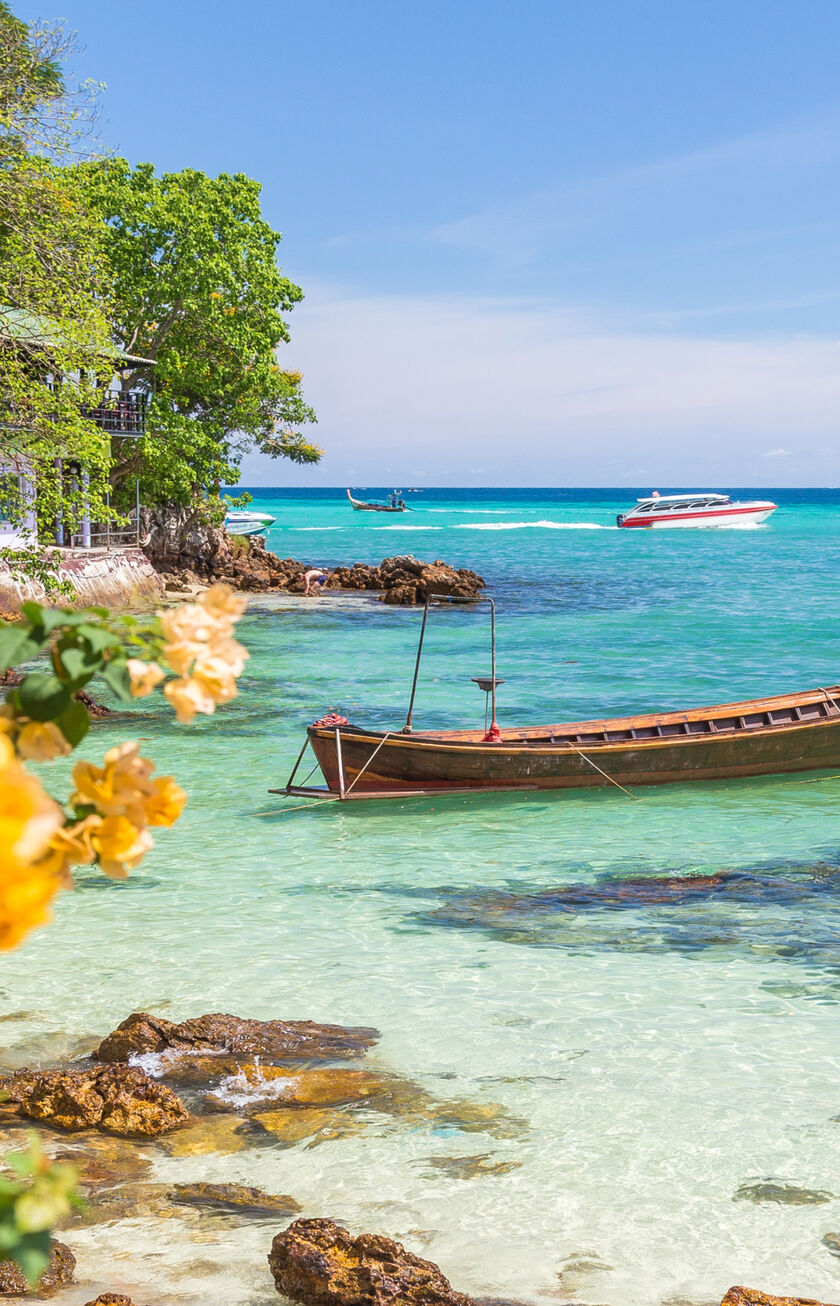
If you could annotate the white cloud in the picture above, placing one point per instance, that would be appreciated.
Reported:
(418, 389)
(776, 453)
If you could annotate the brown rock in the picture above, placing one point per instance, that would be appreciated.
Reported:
(281, 1039)
(111, 1299)
(291, 1125)
(104, 1160)
(754, 1297)
(233, 1197)
(255, 1085)
(116, 1099)
(125, 1202)
(59, 1272)
(321, 1264)
(211, 1134)
(408, 580)
(469, 1167)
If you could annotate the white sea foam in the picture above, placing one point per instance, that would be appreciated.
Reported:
(241, 1090)
(153, 1063)
(316, 528)
(533, 525)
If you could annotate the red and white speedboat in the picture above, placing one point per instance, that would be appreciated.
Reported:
(695, 510)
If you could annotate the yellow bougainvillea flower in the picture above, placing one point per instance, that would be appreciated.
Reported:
(214, 676)
(144, 676)
(120, 845)
(120, 787)
(221, 601)
(72, 845)
(28, 820)
(188, 697)
(41, 741)
(166, 803)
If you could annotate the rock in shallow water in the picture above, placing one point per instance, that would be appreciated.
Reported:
(233, 1197)
(785, 1194)
(740, 1296)
(59, 1272)
(256, 1085)
(219, 1135)
(321, 1264)
(283, 1039)
(116, 1099)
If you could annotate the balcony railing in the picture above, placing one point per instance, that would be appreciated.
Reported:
(119, 413)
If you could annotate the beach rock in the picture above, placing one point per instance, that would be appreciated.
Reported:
(116, 1099)
(110, 1299)
(59, 1272)
(291, 1125)
(104, 1160)
(321, 1264)
(257, 1084)
(753, 1297)
(407, 580)
(281, 1039)
(785, 1194)
(211, 1135)
(236, 1198)
(123, 1202)
(832, 1242)
(468, 1167)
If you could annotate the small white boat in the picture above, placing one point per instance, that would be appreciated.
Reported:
(695, 510)
(241, 522)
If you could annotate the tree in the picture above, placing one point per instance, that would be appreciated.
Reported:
(55, 338)
(197, 288)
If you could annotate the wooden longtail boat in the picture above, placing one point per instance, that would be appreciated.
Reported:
(361, 506)
(765, 736)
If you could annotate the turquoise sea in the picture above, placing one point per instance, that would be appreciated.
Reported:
(667, 1059)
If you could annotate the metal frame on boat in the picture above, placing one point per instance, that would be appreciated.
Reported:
(784, 733)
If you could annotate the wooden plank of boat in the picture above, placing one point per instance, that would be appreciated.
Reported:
(788, 732)
(361, 506)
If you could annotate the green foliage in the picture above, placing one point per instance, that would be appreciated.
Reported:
(238, 501)
(54, 321)
(36, 1194)
(197, 289)
(40, 565)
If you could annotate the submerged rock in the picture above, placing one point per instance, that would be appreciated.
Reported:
(110, 1299)
(116, 1099)
(469, 1167)
(291, 1125)
(832, 1242)
(786, 1194)
(236, 1198)
(754, 1297)
(59, 1272)
(321, 1264)
(255, 1085)
(221, 1135)
(281, 1039)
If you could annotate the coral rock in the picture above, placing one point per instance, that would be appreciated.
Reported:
(255, 1085)
(753, 1297)
(285, 1039)
(233, 1197)
(116, 1099)
(318, 1262)
(59, 1272)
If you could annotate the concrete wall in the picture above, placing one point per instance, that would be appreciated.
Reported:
(115, 578)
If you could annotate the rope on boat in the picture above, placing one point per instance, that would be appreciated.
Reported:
(829, 698)
(367, 763)
(635, 797)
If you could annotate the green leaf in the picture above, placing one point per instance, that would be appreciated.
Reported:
(115, 674)
(33, 612)
(19, 644)
(97, 637)
(74, 722)
(32, 1255)
(51, 618)
(79, 664)
(43, 696)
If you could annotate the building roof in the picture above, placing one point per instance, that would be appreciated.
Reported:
(38, 332)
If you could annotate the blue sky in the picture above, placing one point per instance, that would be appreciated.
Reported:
(542, 242)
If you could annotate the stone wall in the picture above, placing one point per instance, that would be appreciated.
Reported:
(114, 578)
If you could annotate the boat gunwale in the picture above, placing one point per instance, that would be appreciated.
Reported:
(522, 741)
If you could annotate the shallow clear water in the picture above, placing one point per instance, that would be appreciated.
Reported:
(662, 1049)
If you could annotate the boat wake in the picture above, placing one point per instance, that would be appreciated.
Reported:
(533, 525)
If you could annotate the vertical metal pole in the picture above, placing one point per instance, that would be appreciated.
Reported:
(340, 762)
(493, 736)
(108, 520)
(86, 511)
(137, 506)
(406, 730)
(59, 521)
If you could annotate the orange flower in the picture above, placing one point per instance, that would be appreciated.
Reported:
(119, 787)
(28, 820)
(166, 802)
(70, 846)
(188, 697)
(121, 846)
(144, 677)
(41, 741)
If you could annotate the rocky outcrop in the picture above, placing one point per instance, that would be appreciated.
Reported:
(116, 1099)
(321, 1264)
(59, 1272)
(408, 580)
(280, 1039)
(753, 1297)
(110, 1299)
(236, 1198)
(256, 1085)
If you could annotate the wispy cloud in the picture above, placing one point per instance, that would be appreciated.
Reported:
(776, 453)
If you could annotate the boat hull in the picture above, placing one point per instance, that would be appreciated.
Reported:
(689, 749)
(746, 517)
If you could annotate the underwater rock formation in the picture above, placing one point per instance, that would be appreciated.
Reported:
(256, 1085)
(59, 1272)
(321, 1264)
(283, 1039)
(785, 1194)
(116, 1099)
(236, 1198)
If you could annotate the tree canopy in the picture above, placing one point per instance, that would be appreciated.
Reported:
(196, 287)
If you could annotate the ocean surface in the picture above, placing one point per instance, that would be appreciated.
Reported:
(665, 1063)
